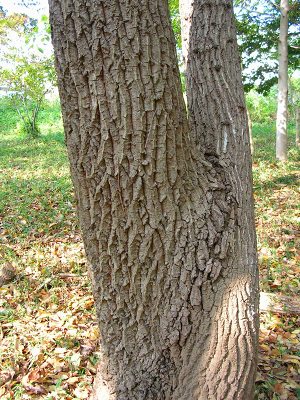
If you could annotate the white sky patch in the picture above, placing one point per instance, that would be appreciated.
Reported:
(16, 44)
(33, 9)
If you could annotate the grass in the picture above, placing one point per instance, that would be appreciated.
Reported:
(48, 329)
(276, 187)
(47, 320)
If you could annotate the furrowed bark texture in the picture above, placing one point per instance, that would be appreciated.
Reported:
(218, 121)
(168, 229)
(282, 101)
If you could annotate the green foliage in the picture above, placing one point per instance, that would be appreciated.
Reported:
(294, 95)
(29, 76)
(175, 19)
(258, 33)
(28, 84)
(262, 108)
(14, 22)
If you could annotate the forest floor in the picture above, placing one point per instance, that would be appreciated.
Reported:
(48, 330)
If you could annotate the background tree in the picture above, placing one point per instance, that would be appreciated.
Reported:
(294, 101)
(167, 224)
(258, 27)
(298, 126)
(282, 103)
(269, 21)
(26, 73)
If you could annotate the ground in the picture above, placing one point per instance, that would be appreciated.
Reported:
(48, 331)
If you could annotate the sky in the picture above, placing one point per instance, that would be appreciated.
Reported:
(33, 8)
(37, 8)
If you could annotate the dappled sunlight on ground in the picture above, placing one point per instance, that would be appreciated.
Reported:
(48, 333)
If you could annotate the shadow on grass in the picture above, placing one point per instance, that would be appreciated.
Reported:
(285, 180)
(30, 205)
(46, 151)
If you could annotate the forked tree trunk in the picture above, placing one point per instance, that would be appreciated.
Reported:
(282, 102)
(168, 228)
(298, 126)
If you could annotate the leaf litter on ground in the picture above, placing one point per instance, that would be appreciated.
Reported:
(48, 329)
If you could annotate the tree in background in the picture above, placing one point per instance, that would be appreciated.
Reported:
(261, 26)
(282, 102)
(165, 207)
(258, 27)
(26, 73)
(294, 100)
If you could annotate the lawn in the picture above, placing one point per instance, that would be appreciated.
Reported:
(48, 332)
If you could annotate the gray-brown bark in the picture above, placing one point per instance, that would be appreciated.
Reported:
(218, 120)
(167, 227)
(282, 101)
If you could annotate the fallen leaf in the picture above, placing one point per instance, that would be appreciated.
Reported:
(278, 388)
(81, 393)
(72, 380)
(291, 358)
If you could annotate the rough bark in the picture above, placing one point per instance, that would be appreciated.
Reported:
(167, 227)
(282, 101)
(298, 126)
(218, 120)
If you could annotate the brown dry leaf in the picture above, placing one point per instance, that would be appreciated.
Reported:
(290, 358)
(259, 377)
(94, 333)
(86, 350)
(92, 368)
(60, 350)
(89, 304)
(275, 352)
(32, 389)
(36, 375)
(265, 347)
(72, 380)
(81, 393)
(57, 364)
(278, 388)
(6, 376)
(35, 389)
(272, 338)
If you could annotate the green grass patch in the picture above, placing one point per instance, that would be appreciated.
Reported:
(35, 189)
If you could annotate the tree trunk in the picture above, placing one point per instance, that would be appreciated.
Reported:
(218, 120)
(250, 132)
(298, 126)
(282, 104)
(168, 228)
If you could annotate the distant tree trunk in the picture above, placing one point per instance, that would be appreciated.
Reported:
(282, 105)
(250, 131)
(168, 227)
(298, 126)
